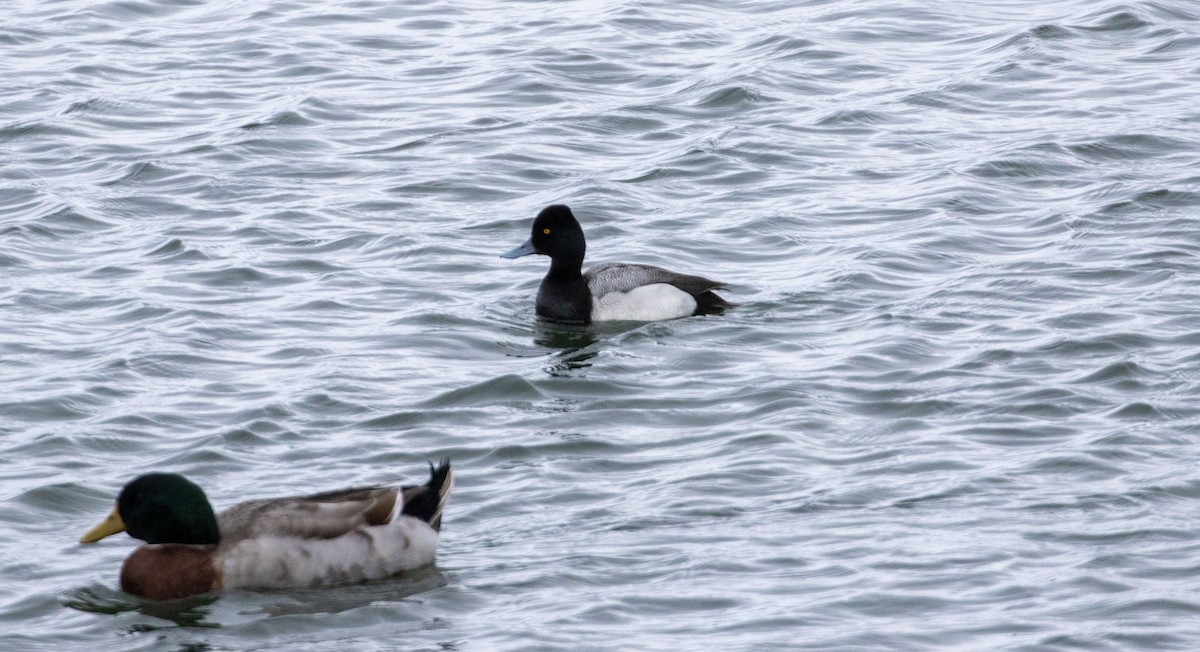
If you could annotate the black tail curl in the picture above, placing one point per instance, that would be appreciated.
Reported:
(429, 503)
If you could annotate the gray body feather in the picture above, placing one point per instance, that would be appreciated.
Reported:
(320, 516)
(622, 277)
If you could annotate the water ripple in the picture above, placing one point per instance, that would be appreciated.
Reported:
(955, 406)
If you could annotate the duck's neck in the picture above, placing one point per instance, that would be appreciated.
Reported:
(565, 270)
(563, 295)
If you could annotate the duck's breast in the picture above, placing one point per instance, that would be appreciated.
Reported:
(170, 571)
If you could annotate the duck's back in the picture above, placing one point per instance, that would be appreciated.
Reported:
(623, 277)
(316, 516)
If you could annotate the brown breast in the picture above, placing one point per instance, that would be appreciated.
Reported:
(169, 571)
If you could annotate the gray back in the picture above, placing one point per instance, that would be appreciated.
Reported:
(623, 277)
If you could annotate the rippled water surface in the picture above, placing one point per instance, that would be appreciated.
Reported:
(257, 243)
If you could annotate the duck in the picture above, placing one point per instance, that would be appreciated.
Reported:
(609, 291)
(323, 539)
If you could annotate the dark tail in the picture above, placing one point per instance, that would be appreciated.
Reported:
(427, 501)
(708, 303)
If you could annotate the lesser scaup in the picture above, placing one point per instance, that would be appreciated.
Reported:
(611, 291)
(353, 535)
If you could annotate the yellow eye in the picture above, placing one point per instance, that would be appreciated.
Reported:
(545, 231)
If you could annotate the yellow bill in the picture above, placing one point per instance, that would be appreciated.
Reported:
(108, 527)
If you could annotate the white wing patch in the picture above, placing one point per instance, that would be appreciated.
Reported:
(646, 303)
(364, 553)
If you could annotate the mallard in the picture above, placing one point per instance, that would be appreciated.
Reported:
(337, 537)
(611, 291)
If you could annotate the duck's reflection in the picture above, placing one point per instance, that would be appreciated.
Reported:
(232, 608)
(355, 596)
(576, 345)
(185, 612)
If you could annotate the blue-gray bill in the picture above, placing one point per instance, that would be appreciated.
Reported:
(524, 250)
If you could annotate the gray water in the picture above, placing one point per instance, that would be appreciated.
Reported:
(256, 242)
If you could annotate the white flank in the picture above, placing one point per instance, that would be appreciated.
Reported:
(646, 303)
(364, 553)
